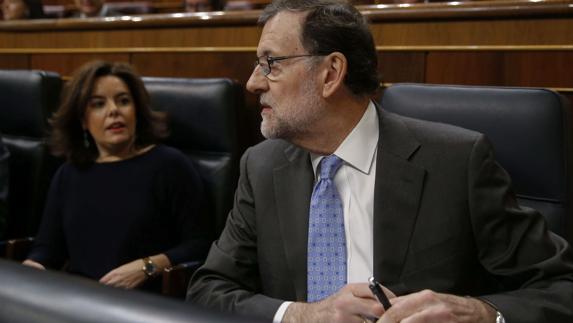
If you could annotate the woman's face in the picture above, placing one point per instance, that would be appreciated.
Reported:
(14, 9)
(110, 117)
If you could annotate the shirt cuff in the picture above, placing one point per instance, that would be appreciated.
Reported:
(281, 312)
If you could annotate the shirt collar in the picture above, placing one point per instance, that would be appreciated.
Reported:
(359, 147)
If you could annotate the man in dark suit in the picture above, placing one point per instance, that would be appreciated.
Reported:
(425, 208)
(3, 186)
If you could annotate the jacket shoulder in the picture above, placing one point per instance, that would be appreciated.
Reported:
(270, 152)
(435, 132)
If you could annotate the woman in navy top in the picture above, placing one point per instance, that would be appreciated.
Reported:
(122, 208)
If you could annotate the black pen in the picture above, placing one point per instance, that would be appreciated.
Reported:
(379, 293)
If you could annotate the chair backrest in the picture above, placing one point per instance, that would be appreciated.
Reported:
(530, 130)
(203, 121)
(30, 295)
(27, 100)
(4, 158)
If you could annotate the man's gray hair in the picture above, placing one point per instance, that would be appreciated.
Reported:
(336, 26)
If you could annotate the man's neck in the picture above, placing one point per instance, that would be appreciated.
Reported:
(338, 121)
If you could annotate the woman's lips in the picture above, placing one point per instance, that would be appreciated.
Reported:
(116, 127)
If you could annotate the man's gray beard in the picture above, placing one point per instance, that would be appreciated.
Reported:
(279, 130)
(300, 121)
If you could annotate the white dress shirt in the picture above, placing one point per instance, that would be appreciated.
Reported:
(355, 183)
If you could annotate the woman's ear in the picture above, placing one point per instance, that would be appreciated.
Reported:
(336, 68)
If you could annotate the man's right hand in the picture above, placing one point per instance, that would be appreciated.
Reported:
(352, 303)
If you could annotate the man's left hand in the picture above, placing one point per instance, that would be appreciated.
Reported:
(428, 306)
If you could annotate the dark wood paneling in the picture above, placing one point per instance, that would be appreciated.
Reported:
(108, 37)
(401, 66)
(474, 32)
(511, 68)
(66, 64)
(478, 68)
(237, 65)
(545, 69)
(14, 61)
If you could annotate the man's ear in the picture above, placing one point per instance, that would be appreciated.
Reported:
(336, 67)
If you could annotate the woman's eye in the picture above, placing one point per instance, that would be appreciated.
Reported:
(125, 101)
(96, 104)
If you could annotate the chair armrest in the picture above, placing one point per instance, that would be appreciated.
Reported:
(176, 279)
(3, 245)
(17, 249)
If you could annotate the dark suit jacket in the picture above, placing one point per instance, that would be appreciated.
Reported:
(444, 219)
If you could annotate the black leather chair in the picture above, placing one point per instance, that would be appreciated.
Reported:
(4, 155)
(530, 129)
(27, 100)
(30, 295)
(204, 123)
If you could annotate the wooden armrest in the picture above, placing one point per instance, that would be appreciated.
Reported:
(175, 279)
(17, 249)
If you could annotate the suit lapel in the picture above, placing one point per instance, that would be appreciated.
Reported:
(293, 189)
(397, 195)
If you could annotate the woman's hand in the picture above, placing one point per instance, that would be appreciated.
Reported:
(131, 275)
(33, 264)
(126, 276)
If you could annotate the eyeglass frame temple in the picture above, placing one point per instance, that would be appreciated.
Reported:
(271, 59)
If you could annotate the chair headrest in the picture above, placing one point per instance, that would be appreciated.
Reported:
(202, 112)
(27, 100)
(525, 125)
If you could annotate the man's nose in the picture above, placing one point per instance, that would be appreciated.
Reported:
(257, 83)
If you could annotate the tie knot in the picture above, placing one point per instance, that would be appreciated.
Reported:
(329, 165)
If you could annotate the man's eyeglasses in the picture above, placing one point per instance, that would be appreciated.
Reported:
(266, 62)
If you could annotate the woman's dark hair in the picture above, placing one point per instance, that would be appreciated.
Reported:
(336, 26)
(67, 137)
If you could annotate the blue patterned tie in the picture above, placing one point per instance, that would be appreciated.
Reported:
(326, 238)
